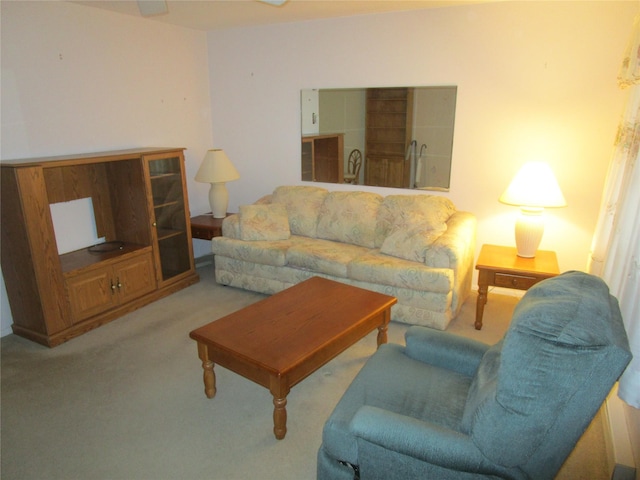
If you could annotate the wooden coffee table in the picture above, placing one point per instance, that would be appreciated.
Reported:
(279, 341)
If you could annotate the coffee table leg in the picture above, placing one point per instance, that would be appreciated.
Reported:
(208, 375)
(279, 392)
(279, 417)
(382, 329)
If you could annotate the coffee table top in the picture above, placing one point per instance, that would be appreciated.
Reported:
(285, 329)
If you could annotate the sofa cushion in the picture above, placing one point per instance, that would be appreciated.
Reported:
(409, 244)
(263, 252)
(350, 217)
(324, 256)
(374, 267)
(412, 212)
(303, 206)
(264, 222)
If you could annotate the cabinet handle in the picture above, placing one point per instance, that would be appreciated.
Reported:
(119, 285)
(113, 288)
(154, 224)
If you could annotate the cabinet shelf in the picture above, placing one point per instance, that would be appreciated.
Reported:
(161, 203)
(165, 233)
(164, 175)
(78, 260)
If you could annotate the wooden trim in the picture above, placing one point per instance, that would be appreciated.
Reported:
(84, 158)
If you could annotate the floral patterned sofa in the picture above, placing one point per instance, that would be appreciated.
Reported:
(418, 248)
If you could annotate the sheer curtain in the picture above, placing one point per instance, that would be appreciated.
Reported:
(615, 251)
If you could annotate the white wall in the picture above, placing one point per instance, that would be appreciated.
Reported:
(78, 79)
(536, 80)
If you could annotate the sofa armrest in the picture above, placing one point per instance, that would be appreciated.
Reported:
(231, 226)
(423, 440)
(455, 249)
(455, 244)
(445, 350)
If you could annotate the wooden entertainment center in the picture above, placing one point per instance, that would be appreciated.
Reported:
(141, 210)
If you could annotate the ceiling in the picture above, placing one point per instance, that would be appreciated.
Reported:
(218, 14)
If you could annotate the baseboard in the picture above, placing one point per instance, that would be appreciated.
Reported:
(204, 260)
(618, 445)
(621, 472)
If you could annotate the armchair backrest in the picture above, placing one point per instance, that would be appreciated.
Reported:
(537, 390)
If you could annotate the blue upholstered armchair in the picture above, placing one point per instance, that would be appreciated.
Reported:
(447, 407)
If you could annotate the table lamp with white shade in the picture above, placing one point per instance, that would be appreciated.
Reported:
(533, 189)
(217, 169)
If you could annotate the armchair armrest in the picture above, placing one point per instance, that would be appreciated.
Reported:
(443, 349)
(419, 439)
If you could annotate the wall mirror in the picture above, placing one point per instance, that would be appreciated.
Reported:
(399, 137)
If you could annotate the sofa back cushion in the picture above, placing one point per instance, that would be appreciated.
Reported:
(414, 213)
(264, 222)
(540, 386)
(303, 206)
(409, 244)
(350, 217)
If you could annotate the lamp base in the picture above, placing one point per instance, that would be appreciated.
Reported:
(218, 199)
(529, 230)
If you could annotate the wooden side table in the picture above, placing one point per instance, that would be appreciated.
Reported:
(205, 227)
(501, 267)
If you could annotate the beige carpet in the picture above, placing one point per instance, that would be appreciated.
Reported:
(126, 401)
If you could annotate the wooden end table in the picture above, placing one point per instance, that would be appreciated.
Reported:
(501, 267)
(279, 341)
(205, 227)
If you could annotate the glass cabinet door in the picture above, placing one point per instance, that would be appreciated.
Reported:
(170, 214)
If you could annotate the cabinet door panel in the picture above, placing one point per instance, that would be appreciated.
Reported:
(395, 173)
(170, 211)
(376, 171)
(135, 278)
(91, 293)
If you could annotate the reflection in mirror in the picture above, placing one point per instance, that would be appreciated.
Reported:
(404, 136)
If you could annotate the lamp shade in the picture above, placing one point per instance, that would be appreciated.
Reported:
(533, 189)
(216, 167)
(534, 186)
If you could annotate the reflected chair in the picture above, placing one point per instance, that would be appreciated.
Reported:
(449, 407)
(353, 167)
